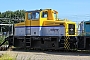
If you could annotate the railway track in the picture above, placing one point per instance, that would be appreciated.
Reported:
(11, 48)
(48, 50)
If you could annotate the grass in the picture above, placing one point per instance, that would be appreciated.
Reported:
(8, 56)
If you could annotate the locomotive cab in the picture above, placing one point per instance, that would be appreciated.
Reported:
(36, 18)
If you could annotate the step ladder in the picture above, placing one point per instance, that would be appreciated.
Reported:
(28, 42)
(61, 43)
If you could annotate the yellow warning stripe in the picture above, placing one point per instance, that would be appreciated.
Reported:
(66, 43)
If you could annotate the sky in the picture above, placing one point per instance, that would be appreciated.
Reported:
(75, 10)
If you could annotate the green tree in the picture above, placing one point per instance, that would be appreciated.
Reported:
(0, 14)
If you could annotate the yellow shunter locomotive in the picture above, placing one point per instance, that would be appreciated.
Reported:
(42, 29)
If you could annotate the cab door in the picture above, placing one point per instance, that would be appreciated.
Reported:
(28, 24)
(33, 23)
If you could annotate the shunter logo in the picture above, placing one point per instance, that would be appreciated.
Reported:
(54, 29)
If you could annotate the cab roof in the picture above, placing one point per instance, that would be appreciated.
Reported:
(38, 10)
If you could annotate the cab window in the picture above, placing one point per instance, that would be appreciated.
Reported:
(55, 15)
(33, 15)
(44, 14)
(29, 16)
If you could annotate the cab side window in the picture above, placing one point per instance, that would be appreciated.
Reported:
(44, 14)
(55, 15)
(29, 16)
(37, 15)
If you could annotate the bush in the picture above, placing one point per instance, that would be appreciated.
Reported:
(2, 38)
